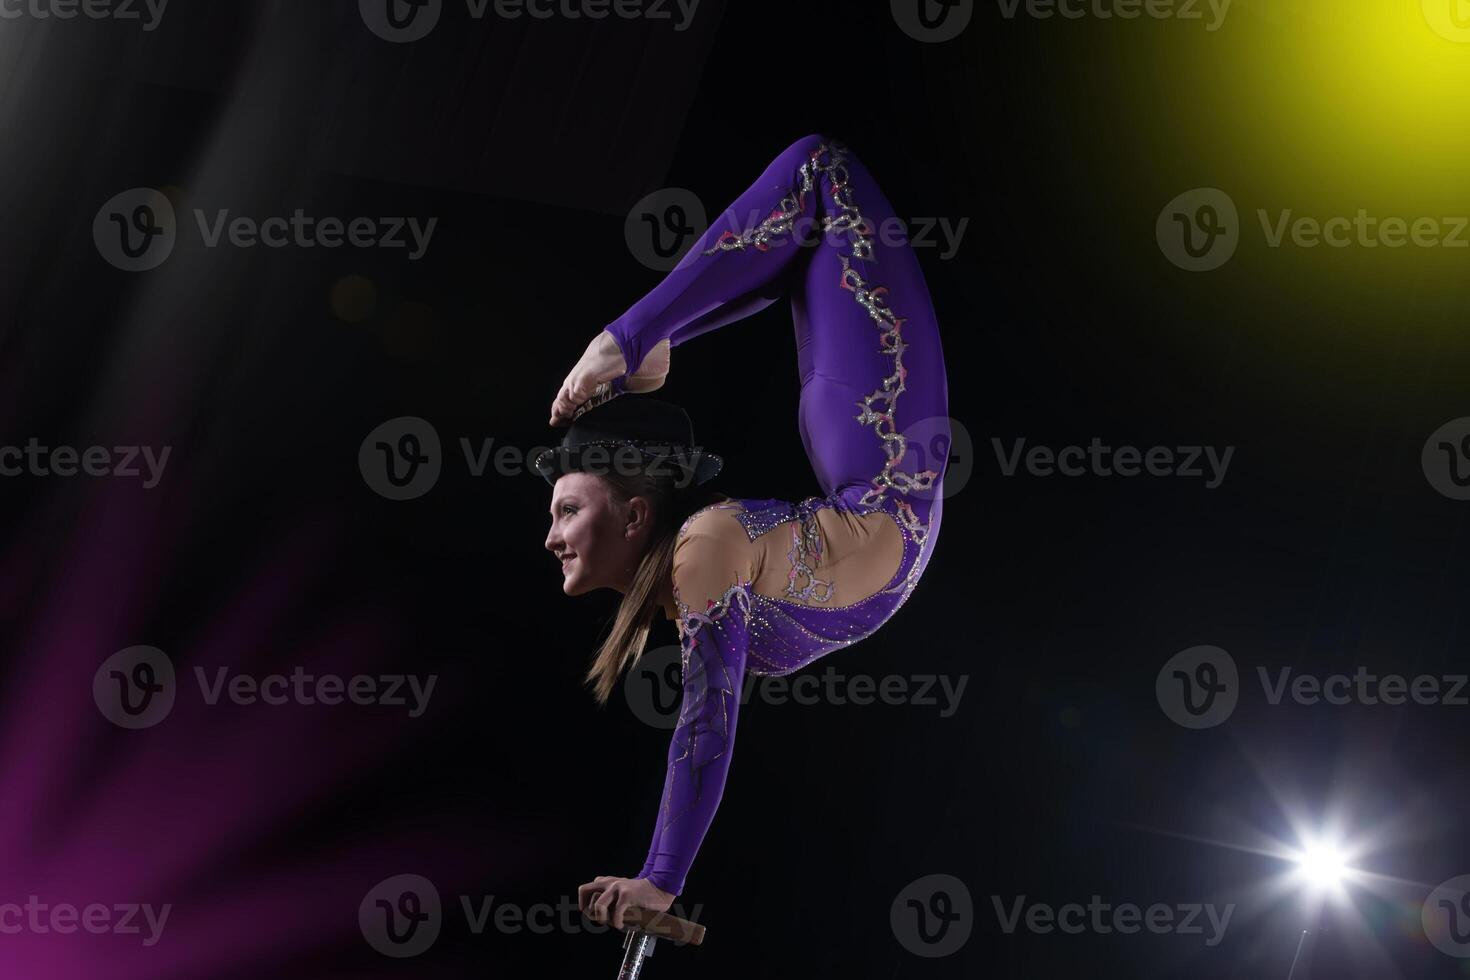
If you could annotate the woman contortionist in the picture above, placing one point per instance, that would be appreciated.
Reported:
(759, 585)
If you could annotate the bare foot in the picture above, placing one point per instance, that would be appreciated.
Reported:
(654, 369)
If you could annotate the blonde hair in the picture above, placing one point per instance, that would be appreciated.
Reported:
(671, 506)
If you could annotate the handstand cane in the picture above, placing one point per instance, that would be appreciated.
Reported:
(644, 927)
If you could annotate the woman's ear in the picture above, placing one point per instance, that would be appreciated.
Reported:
(639, 517)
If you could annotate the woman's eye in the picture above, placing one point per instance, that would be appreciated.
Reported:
(568, 509)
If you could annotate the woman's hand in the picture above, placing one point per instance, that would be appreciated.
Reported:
(603, 361)
(606, 896)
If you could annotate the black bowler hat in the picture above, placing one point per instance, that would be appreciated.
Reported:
(633, 433)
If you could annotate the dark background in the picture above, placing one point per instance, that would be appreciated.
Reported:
(1059, 598)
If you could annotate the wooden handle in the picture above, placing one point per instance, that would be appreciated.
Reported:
(663, 925)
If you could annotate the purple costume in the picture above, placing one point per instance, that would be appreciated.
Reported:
(874, 405)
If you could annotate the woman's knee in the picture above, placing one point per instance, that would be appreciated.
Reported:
(802, 151)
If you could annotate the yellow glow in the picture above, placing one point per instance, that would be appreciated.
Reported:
(1363, 97)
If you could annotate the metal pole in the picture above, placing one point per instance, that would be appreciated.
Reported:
(639, 946)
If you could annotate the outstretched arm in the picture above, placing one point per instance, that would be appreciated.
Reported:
(713, 567)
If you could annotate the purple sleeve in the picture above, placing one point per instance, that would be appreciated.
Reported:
(710, 287)
(714, 645)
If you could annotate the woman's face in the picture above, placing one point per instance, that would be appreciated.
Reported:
(600, 540)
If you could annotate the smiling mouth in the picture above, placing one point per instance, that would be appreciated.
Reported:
(567, 561)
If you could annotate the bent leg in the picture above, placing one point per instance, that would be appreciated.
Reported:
(739, 265)
(872, 366)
